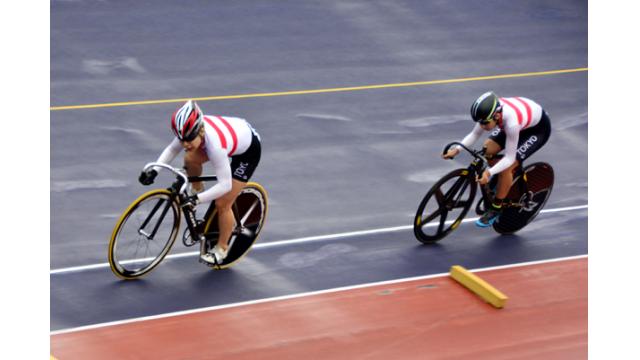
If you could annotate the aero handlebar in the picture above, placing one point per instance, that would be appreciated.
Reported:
(478, 154)
(176, 171)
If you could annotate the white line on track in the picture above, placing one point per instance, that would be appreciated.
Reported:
(296, 296)
(300, 240)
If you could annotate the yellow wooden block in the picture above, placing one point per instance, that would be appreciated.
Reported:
(480, 287)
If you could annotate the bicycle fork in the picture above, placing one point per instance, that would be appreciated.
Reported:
(151, 214)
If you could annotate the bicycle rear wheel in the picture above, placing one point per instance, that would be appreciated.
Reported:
(444, 206)
(252, 207)
(144, 234)
(539, 179)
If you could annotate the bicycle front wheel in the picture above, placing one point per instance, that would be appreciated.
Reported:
(444, 206)
(144, 234)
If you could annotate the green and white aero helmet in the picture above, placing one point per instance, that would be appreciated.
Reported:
(485, 107)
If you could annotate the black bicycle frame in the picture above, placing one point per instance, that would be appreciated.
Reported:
(478, 166)
(173, 195)
(189, 215)
(192, 222)
(521, 182)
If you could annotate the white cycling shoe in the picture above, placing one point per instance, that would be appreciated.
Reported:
(215, 256)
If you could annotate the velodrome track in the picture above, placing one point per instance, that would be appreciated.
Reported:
(338, 164)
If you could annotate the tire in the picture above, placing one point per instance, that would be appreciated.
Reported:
(540, 179)
(253, 197)
(460, 186)
(132, 254)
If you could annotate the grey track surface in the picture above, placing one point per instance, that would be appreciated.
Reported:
(332, 163)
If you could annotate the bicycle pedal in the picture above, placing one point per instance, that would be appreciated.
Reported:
(206, 263)
(200, 260)
(215, 265)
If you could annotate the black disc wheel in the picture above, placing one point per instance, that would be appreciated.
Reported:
(444, 206)
(251, 208)
(539, 179)
(144, 234)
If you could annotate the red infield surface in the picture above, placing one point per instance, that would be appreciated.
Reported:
(436, 318)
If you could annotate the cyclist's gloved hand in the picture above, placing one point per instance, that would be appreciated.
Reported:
(190, 202)
(147, 177)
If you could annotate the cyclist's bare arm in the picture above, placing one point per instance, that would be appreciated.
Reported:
(468, 140)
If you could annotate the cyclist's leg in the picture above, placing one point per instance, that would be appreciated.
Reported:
(193, 161)
(529, 141)
(492, 148)
(533, 139)
(505, 179)
(493, 145)
(242, 168)
(226, 221)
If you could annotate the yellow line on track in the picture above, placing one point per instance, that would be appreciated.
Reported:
(318, 91)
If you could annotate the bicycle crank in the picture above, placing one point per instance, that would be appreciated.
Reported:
(527, 202)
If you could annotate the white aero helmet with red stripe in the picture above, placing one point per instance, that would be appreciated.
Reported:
(186, 122)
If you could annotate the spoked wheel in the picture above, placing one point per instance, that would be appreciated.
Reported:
(539, 178)
(144, 234)
(444, 206)
(251, 206)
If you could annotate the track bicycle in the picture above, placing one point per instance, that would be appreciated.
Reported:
(148, 228)
(447, 202)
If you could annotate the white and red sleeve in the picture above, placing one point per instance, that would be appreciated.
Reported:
(472, 137)
(510, 149)
(222, 168)
(170, 152)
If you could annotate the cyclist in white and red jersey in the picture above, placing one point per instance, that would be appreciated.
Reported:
(519, 126)
(231, 145)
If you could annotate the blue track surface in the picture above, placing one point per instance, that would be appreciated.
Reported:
(332, 162)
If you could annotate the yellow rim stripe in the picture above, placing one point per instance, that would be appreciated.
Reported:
(124, 215)
(456, 224)
(317, 91)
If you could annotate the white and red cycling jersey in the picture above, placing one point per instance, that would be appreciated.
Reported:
(225, 136)
(518, 113)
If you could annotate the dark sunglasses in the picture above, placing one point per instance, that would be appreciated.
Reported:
(191, 137)
(490, 119)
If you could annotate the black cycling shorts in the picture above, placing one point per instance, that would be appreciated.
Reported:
(529, 141)
(243, 165)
